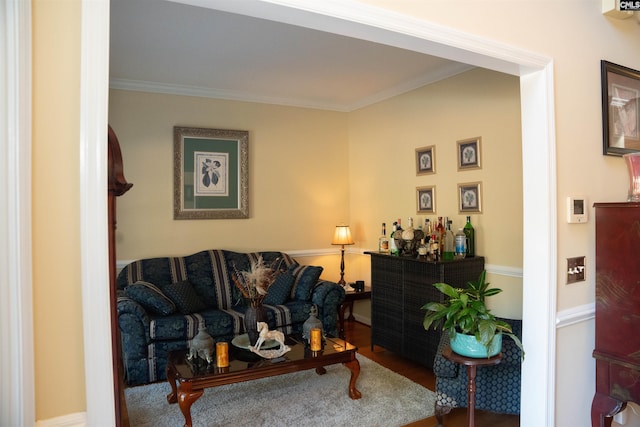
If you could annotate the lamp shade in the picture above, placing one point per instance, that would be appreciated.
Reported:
(342, 236)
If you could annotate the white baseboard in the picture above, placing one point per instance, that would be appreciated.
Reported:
(79, 419)
(362, 319)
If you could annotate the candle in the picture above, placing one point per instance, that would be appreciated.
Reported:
(316, 339)
(222, 354)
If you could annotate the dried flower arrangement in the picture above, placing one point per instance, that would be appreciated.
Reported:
(254, 284)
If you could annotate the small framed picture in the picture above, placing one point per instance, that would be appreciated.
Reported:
(426, 200)
(469, 153)
(426, 160)
(470, 197)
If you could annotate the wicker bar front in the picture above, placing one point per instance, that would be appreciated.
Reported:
(399, 287)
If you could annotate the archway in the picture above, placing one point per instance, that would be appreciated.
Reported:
(354, 20)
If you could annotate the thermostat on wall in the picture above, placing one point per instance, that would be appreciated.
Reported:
(577, 209)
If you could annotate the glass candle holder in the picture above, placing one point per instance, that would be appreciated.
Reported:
(316, 339)
(633, 167)
(222, 354)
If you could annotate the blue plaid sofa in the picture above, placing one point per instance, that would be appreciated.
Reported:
(163, 301)
(497, 386)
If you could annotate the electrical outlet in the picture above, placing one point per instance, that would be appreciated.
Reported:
(576, 269)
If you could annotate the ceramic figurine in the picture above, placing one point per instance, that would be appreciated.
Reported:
(266, 334)
(201, 346)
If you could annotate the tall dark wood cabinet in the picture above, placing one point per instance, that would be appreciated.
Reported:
(617, 340)
(117, 186)
(399, 287)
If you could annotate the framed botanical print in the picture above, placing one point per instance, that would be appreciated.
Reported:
(469, 153)
(426, 200)
(470, 197)
(210, 169)
(425, 160)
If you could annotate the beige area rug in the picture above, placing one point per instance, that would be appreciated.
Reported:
(297, 399)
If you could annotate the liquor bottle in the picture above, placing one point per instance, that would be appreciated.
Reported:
(393, 248)
(439, 232)
(471, 240)
(460, 244)
(435, 247)
(423, 250)
(449, 243)
(427, 229)
(383, 241)
(407, 234)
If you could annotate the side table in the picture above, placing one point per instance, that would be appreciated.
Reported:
(351, 295)
(472, 365)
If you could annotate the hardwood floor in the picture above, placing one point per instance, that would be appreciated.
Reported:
(360, 335)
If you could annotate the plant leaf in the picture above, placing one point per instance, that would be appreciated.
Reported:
(447, 290)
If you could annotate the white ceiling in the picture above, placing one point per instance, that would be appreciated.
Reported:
(161, 46)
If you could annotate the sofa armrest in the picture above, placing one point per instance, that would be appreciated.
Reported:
(134, 324)
(328, 296)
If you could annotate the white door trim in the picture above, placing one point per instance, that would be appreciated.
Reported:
(366, 22)
(96, 303)
(17, 388)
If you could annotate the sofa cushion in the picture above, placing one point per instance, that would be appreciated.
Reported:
(150, 297)
(305, 279)
(184, 297)
(184, 327)
(280, 289)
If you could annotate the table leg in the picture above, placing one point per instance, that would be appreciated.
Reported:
(471, 388)
(343, 306)
(354, 366)
(185, 400)
(350, 318)
(173, 396)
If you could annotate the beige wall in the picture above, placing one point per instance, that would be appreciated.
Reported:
(382, 142)
(57, 299)
(577, 36)
(298, 163)
(296, 203)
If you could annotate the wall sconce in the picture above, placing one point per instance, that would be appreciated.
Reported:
(342, 236)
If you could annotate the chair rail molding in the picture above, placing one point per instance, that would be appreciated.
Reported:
(574, 315)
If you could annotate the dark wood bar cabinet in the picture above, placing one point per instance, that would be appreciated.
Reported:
(617, 329)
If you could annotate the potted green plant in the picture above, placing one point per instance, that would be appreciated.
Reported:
(473, 330)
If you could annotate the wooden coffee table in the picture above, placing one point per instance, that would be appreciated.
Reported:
(189, 381)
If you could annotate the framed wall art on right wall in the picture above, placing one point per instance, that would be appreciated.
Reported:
(470, 197)
(469, 153)
(620, 109)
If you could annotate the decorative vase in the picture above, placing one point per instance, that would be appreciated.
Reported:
(633, 166)
(255, 313)
(468, 345)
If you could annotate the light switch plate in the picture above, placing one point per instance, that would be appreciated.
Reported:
(576, 270)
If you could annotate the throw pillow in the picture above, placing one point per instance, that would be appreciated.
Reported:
(184, 297)
(280, 289)
(150, 297)
(305, 279)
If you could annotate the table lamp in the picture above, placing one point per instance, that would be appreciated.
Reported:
(342, 236)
